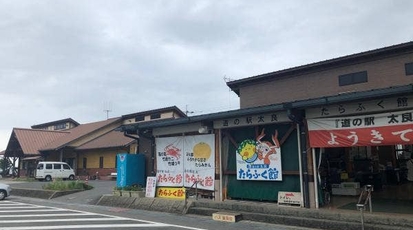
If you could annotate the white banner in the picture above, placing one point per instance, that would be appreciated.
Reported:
(181, 161)
(199, 163)
(364, 107)
(362, 121)
(150, 186)
(169, 161)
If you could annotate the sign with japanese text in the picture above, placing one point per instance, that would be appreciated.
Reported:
(185, 160)
(289, 198)
(258, 159)
(368, 130)
(150, 186)
(169, 161)
(354, 108)
(199, 162)
(252, 120)
(168, 192)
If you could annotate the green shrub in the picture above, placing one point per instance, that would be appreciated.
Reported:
(130, 188)
(60, 185)
(28, 179)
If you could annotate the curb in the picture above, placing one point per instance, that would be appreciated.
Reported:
(40, 193)
(320, 219)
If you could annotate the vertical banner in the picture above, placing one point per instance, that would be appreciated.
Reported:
(169, 161)
(150, 186)
(182, 161)
(258, 159)
(199, 162)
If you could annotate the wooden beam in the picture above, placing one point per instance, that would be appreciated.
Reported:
(287, 134)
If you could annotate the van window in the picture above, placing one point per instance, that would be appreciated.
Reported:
(40, 166)
(57, 166)
(66, 167)
(49, 166)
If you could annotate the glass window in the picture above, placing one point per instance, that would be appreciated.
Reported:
(66, 167)
(57, 166)
(60, 126)
(49, 166)
(352, 78)
(409, 68)
(140, 118)
(84, 162)
(156, 116)
(40, 166)
(101, 162)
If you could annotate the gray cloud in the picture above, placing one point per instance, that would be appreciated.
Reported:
(66, 58)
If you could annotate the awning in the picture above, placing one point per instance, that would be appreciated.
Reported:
(364, 130)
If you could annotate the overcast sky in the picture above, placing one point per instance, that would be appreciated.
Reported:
(68, 58)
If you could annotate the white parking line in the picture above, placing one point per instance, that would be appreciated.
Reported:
(54, 212)
(18, 207)
(32, 210)
(47, 215)
(89, 226)
(58, 220)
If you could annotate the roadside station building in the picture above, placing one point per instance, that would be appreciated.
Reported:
(347, 120)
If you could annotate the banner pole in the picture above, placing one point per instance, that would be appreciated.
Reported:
(299, 164)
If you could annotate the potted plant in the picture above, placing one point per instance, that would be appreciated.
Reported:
(135, 191)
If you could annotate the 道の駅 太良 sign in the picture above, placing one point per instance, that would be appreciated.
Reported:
(367, 130)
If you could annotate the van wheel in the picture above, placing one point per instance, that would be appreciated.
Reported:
(48, 178)
(71, 177)
(2, 194)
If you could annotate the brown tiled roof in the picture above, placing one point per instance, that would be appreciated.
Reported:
(31, 140)
(77, 133)
(111, 139)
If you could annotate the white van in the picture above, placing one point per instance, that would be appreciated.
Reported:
(47, 170)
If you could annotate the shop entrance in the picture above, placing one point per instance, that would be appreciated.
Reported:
(347, 170)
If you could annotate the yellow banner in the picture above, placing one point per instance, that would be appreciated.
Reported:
(168, 192)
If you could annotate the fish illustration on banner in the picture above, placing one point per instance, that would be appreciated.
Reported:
(258, 159)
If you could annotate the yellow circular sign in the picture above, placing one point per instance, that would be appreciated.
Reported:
(202, 150)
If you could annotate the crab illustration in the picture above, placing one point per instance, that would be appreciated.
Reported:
(172, 151)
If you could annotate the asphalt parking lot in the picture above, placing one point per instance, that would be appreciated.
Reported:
(100, 187)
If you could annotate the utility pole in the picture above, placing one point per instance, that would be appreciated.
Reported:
(107, 111)
(107, 108)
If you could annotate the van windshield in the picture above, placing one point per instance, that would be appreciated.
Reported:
(40, 166)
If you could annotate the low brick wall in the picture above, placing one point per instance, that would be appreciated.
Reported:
(151, 204)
